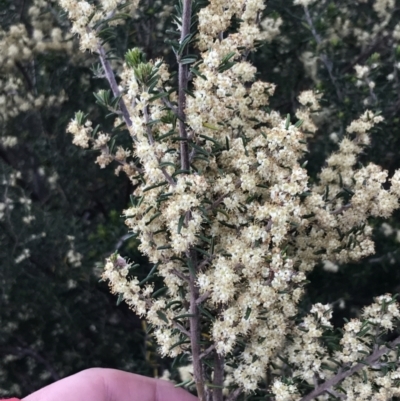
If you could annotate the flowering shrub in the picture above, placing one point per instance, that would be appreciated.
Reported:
(52, 214)
(227, 213)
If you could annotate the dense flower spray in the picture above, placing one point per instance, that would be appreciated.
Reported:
(225, 211)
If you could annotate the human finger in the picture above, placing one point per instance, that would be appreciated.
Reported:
(98, 384)
(124, 386)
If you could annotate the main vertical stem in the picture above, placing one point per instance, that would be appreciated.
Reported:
(195, 333)
(185, 165)
(218, 376)
(183, 83)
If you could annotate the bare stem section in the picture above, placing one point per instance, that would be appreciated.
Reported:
(335, 380)
(324, 58)
(185, 164)
(218, 377)
(113, 84)
(183, 83)
(195, 340)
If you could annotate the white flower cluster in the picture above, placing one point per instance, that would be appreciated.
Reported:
(84, 17)
(19, 45)
(311, 361)
(246, 210)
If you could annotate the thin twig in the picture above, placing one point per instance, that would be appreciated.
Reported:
(365, 54)
(192, 155)
(181, 328)
(183, 83)
(195, 332)
(336, 394)
(168, 177)
(324, 58)
(371, 90)
(148, 128)
(217, 202)
(203, 297)
(173, 108)
(326, 386)
(185, 165)
(388, 256)
(235, 394)
(205, 262)
(342, 209)
(113, 84)
(122, 240)
(25, 351)
(207, 351)
(218, 377)
(180, 275)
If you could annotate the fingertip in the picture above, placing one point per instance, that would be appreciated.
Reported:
(166, 391)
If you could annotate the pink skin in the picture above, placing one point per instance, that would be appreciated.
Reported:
(99, 384)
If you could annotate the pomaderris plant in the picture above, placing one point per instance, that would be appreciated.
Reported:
(224, 209)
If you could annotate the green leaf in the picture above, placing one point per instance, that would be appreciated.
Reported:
(191, 268)
(184, 42)
(189, 59)
(160, 184)
(184, 315)
(326, 195)
(214, 141)
(213, 385)
(134, 57)
(228, 57)
(152, 82)
(141, 199)
(340, 180)
(133, 235)
(165, 164)
(158, 96)
(177, 360)
(180, 223)
(205, 239)
(299, 123)
(349, 191)
(227, 224)
(190, 93)
(206, 313)
(196, 72)
(120, 298)
(168, 134)
(207, 125)
(150, 275)
(94, 132)
(162, 316)
(160, 248)
(226, 66)
(320, 252)
(181, 172)
(159, 292)
(112, 145)
(212, 246)
(80, 117)
(202, 251)
(185, 383)
(179, 343)
(287, 124)
(200, 150)
(169, 304)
